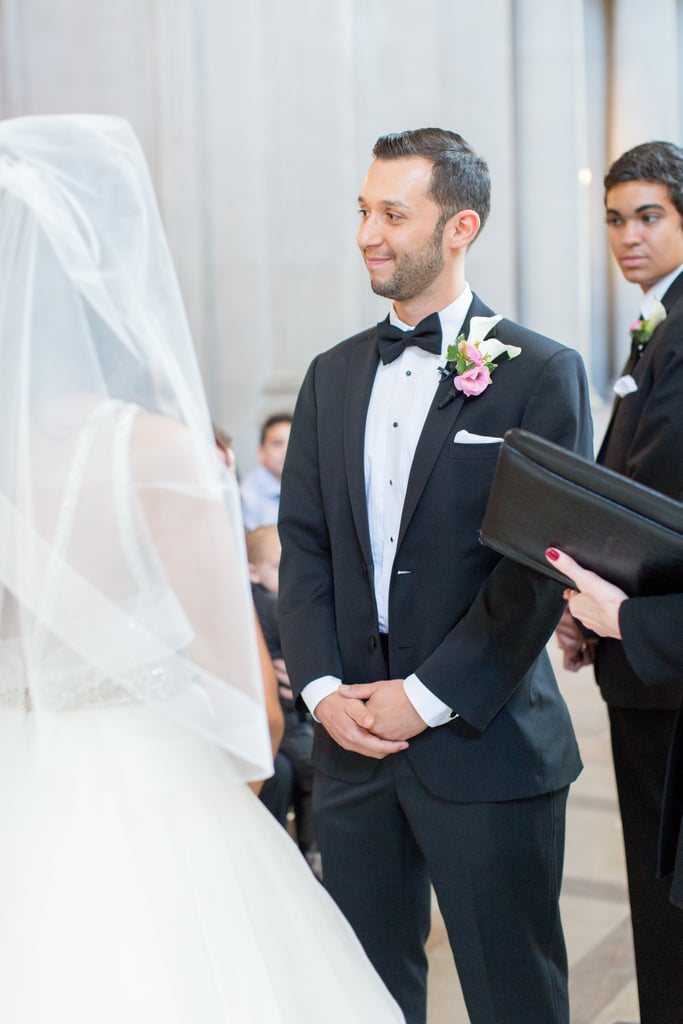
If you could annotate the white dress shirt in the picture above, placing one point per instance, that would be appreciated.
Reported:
(658, 291)
(401, 396)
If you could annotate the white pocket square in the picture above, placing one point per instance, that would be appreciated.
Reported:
(625, 386)
(464, 437)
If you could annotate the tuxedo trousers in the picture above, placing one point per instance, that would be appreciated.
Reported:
(640, 747)
(496, 869)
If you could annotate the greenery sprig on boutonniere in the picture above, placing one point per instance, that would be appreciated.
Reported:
(471, 360)
(642, 330)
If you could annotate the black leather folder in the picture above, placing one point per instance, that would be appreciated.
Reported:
(544, 496)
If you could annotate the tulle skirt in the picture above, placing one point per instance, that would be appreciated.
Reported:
(141, 882)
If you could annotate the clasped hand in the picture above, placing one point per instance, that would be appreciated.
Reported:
(374, 719)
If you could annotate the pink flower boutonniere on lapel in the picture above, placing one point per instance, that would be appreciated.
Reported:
(471, 360)
(642, 330)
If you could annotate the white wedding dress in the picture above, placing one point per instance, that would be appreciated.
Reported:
(167, 895)
(141, 881)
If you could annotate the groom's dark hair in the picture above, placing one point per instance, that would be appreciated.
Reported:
(658, 162)
(460, 178)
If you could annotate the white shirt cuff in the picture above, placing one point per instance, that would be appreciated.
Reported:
(316, 690)
(428, 706)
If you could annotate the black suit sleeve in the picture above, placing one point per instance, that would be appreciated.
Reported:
(652, 632)
(655, 454)
(483, 659)
(306, 597)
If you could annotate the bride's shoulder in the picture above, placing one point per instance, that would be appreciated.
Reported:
(162, 444)
(152, 428)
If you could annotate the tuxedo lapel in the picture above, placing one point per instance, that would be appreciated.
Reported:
(362, 373)
(673, 294)
(439, 424)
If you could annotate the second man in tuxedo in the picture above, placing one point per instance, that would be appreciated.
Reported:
(444, 750)
(644, 441)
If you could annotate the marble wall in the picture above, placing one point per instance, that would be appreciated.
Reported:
(258, 119)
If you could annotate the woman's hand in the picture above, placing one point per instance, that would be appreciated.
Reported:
(596, 602)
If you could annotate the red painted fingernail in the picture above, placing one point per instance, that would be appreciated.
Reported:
(552, 554)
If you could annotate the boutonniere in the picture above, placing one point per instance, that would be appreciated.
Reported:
(642, 330)
(472, 360)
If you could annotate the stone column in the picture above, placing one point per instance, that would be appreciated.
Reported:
(553, 172)
(645, 104)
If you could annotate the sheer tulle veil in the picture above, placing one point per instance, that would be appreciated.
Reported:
(122, 567)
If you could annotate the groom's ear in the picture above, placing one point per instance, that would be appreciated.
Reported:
(461, 229)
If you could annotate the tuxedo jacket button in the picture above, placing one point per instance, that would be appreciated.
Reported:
(372, 643)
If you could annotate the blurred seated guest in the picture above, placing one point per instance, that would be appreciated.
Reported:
(651, 630)
(263, 551)
(260, 489)
(276, 792)
(276, 721)
(279, 784)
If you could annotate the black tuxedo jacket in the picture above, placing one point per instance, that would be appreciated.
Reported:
(671, 834)
(652, 628)
(644, 441)
(472, 625)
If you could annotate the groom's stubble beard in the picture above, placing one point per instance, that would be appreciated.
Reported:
(414, 272)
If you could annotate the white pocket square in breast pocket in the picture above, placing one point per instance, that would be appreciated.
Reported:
(464, 437)
(625, 386)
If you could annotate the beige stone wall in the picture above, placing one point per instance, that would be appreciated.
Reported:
(258, 118)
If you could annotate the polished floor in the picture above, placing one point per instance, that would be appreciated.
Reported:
(594, 902)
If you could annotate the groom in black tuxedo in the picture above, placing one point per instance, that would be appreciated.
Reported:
(444, 750)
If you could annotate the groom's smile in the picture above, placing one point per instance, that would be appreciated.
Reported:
(400, 236)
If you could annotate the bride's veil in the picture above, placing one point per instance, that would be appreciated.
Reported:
(122, 567)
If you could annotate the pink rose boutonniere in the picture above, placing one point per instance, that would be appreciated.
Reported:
(471, 360)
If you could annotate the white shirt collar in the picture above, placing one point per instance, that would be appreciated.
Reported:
(452, 319)
(658, 291)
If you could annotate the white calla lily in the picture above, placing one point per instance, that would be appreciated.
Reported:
(492, 348)
(480, 327)
(657, 314)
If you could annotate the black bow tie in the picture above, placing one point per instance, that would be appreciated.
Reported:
(391, 341)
